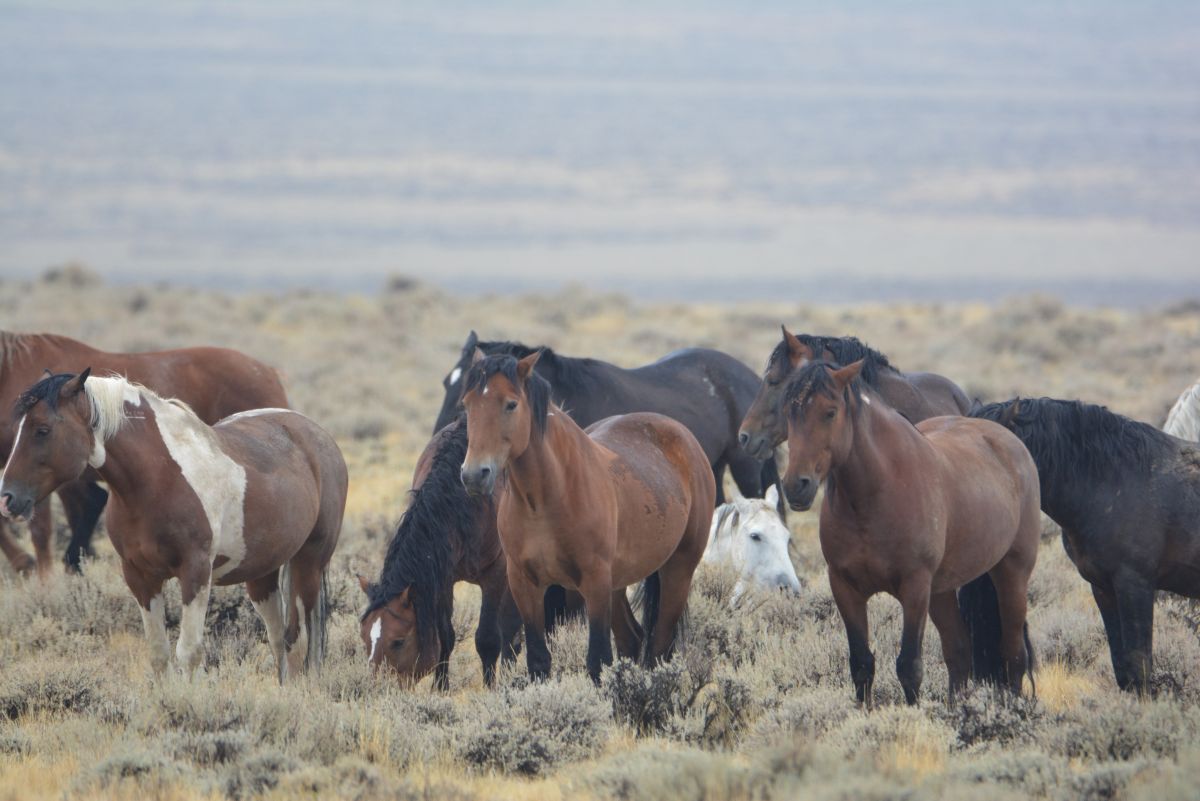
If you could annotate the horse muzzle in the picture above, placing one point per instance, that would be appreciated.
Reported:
(15, 504)
(479, 479)
(755, 445)
(801, 492)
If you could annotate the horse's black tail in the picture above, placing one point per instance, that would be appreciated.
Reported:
(1030, 661)
(316, 625)
(650, 596)
(980, 609)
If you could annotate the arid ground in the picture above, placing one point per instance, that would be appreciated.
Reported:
(759, 703)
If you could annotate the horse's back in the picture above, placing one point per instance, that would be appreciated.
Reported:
(942, 395)
(215, 382)
(649, 444)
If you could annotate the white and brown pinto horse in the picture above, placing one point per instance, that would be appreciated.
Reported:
(227, 504)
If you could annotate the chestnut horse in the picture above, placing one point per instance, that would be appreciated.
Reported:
(917, 396)
(916, 512)
(444, 537)
(215, 382)
(230, 504)
(630, 499)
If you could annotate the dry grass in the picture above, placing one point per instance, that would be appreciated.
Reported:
(758, 705)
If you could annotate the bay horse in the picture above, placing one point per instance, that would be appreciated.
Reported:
(917, 396)
(629, 500)
(1127, 497)
(915, 511)
(706, 390)
(226, 504)
(215, 382)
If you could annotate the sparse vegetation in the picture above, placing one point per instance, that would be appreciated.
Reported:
(758, 702)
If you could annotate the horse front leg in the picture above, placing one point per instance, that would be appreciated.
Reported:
(195, 586)
(41, 532)
(852, 605)
(1135, 606)
(22, 562)
(529, 600)
(1106, 600)
(914, 601)
(147, 590)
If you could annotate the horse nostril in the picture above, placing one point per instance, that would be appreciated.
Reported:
(484, 472)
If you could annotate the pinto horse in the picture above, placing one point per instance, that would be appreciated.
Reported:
(916, 512)
(1127, 497)
(226, 504)
(629, 500)
(917, 396)
(215, 382)
(706, 390)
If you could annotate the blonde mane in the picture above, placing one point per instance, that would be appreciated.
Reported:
(108, 396)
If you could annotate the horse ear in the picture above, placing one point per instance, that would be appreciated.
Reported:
(75, 385)
(477, 357)
(526, 365)
(363, 582)
(472, 342)
(797, 353)
(1010, 414)
(405, 601)
(772, 496)
(842, 377)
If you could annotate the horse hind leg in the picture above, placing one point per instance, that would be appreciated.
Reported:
(626, 631)
(1012, 585)
(308, 604)
(268, 602)
(83, 502)
(956, 644)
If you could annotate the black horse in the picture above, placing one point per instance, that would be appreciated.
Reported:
(444, 537)
(706, 390)
(1127, 497)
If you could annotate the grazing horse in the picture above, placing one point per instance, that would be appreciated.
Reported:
(215, 382)
(748, 536)
(916, 512)
(226, 504)
(706, 390)
(1127, 497)
(630, 499)
(1184, 419)
(917, 396)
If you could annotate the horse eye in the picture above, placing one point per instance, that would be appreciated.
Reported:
(832, 413)
(510, 406)
(756, 536)
(43, 431)
(398, 644)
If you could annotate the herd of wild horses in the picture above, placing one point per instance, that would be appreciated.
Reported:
(556, 484)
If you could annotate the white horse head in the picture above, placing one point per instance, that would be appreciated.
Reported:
(748, 535)
(1184, 419)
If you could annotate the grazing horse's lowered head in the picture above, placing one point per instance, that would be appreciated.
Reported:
(820, 432)
(748, 535)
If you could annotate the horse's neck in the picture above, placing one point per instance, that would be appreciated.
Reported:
(134, 456)
(879, 443)
(541, 476)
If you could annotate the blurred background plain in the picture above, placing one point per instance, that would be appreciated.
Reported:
(691, 150)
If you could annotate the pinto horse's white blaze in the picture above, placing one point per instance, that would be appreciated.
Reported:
(455, 374)
(4, 503)
(376, 630)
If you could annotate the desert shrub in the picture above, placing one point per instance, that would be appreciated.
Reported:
(983, 714)
(1168, 782)
(1068, 636)
(1104, 782)
(207, 749)
(1124, 729)
(647, 700)
(806, 715)
(1031, 772)
(13, 741)
(529, 729)
(141, 766)
(256, 775)
(57, 687)
(685, 775)
(720, 711)
(1176, 670)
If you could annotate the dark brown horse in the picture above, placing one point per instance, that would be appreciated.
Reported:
(226, 504)
(629, 500)
(444, 537)
(215, 382)
(706, 390)
(916, 512)
(1127, 497)
(917, 396)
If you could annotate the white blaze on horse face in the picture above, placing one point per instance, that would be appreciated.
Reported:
(376, 630)
(455, 374)
(218, 481)
(17, 441)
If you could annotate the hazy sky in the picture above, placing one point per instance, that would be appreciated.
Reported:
(691, 149)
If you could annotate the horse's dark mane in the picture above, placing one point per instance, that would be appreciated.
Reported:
(845, 350)
(439, 521)
(813, 378)
(1073, 441)
(537, 389)
(570, 375)
(47, 390)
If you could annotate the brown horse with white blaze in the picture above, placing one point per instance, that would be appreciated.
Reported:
(227, 504)
(629, 500)
(915, 511)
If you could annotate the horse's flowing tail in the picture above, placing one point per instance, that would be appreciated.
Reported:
(1030, 661)
(318, 616)
(980, 609)
(650, 595)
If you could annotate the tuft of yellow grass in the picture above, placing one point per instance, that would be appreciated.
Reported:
(919, 750)
(1061, 689)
